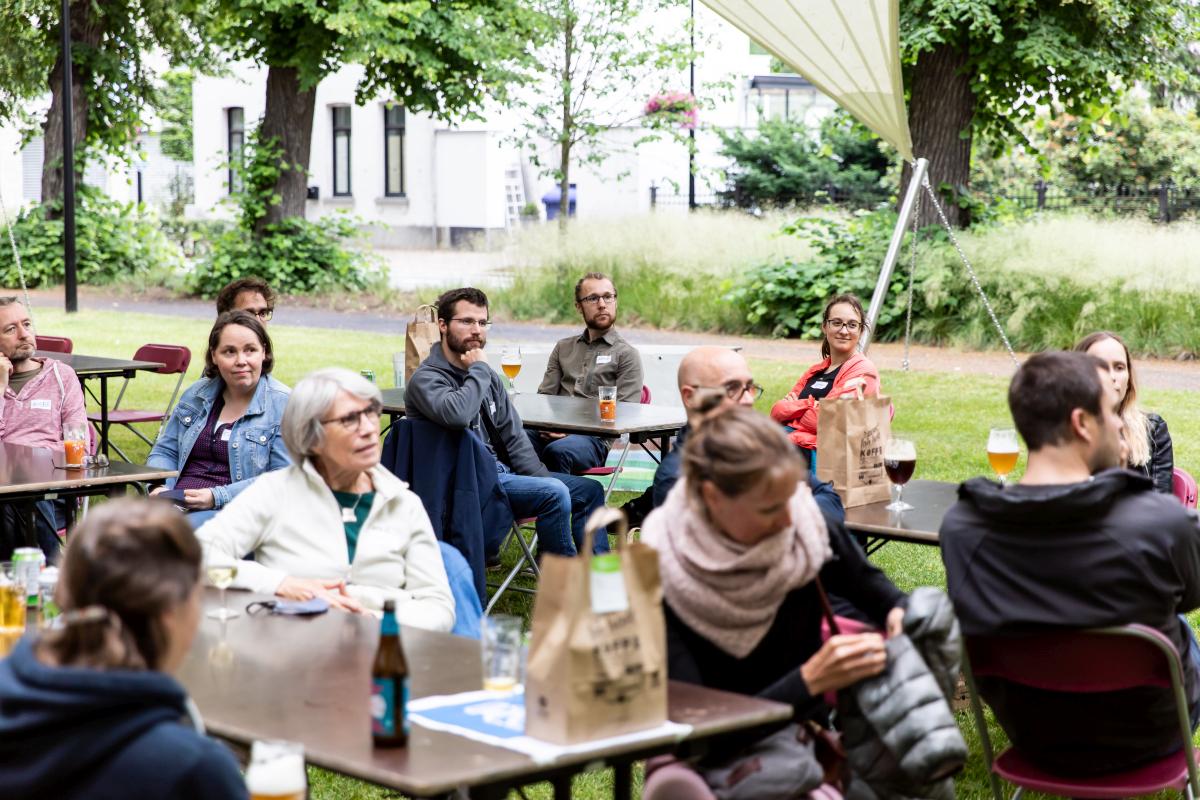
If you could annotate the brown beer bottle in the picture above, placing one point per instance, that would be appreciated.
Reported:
(389, 685)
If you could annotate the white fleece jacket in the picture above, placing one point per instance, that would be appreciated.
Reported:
(291, 522)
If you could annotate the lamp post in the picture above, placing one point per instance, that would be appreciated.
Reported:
(68, 167)
(692, 91)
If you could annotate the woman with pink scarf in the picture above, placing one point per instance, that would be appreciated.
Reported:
(740, 543)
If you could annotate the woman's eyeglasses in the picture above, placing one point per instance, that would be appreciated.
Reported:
(351, 421)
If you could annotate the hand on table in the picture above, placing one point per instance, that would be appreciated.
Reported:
(334, 591)
(199, 499)
(844, 660)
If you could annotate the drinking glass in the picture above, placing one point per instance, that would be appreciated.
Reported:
(221, 575)
(276, 771)
(12, 608)
(74, 445)
(899, 461)
(1002, 452)
(500, 645)
(510, 362)
(608, 404)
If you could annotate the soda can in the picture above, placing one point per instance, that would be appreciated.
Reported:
(27, 563)
(369, 374)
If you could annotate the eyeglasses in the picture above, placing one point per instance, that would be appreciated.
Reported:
(592, 299)
(467, 322)
(264, 314)
(835, 324)
(351, 421)
(735, 389)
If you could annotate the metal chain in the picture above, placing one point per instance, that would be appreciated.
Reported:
(16, 257)
(912, 270)
(970, 271)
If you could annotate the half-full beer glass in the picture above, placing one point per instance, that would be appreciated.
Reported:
(899, 462)
(1002, 452)
(276, 771)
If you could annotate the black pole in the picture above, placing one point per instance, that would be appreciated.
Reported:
(692, 91)
(68, 165)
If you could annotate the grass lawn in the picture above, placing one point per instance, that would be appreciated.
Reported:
(947, 415)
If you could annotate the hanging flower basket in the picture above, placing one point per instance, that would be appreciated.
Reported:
(671, 109)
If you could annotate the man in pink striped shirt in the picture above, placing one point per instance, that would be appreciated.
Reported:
(39, 397)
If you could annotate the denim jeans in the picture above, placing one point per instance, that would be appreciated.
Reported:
(572, 454)
(561, 503)
(1193, 655)
(467, 609)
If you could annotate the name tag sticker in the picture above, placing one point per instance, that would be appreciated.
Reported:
(820, 384)
(603, 360)
(41, 404)
(225, 434)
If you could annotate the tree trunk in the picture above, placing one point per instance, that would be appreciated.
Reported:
(86, 30)
(288, 120)
(568, 122)
(939, 115)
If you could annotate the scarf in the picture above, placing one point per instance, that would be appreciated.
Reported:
(726, 591)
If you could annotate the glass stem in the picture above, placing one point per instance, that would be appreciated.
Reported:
(224, 607)
(900, 495)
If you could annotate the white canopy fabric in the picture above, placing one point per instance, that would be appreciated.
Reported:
(849, 49)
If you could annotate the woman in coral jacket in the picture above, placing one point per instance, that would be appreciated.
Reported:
(842, 370)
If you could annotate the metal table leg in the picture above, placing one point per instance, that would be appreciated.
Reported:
(104, 414)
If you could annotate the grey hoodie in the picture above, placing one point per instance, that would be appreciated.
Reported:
(451, 397)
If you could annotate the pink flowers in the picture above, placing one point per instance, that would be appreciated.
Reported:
(671, 108)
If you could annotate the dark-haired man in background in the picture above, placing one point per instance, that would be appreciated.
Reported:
(1078, 543)
(454, 387)
(248, 294)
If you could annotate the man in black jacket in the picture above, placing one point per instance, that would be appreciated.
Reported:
(1078, 543)
(454, 387)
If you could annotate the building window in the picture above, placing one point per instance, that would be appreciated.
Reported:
(235, 119)
(341, 151)
(393, 151)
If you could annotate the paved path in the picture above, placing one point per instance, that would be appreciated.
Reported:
(1152, 373)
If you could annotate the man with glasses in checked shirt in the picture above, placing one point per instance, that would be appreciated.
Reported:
(579, 366)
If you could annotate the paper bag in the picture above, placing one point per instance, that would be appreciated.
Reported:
(851, 435)
(420, 337)
(598, 659)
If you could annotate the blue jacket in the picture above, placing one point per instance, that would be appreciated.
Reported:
(255, 444)
(71, 733)
(455, 477)
(828, 500)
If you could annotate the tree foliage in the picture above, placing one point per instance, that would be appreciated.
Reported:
(174, 104)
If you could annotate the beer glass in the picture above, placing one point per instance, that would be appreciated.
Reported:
(899, 461)
(608, 404)
(510, 362)
(74, 445)
(276, 771)
(221, 574)
(500, 644)
(1002, 452)
(12, 607)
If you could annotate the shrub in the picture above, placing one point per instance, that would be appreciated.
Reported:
(294, 256)
(113, 241)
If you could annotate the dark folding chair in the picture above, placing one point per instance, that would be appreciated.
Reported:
(175, 360)
(54, 344)
(1085, 661)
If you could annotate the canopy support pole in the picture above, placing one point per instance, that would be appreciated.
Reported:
(907, 209)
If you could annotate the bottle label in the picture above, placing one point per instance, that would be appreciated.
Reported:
(389, 705)
(608, 585)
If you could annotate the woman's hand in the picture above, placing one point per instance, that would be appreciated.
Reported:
(334, 591)
(895, 622)
(199, 499)
(158, 489)
(791, 397)
(843, 661)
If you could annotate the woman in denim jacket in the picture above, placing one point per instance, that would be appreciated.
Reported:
(224, 431)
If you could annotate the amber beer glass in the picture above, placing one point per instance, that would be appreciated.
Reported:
(608, 404)
(12, 608)
(1002, 452)
(74, 445)
(389, 685)
(276, 771)
(510, 362)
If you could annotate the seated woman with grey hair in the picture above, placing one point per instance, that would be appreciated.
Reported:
(335, 524)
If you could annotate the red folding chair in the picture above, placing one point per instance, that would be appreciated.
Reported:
(1183, 486)
(1085, 661)
(615, 471)
(54, 344)
(175, 360)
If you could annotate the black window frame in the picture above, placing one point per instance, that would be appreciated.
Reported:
(232, 133)
(337, 132)
(390, 128)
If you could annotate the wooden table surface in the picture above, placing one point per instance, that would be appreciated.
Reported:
(29, 471)
(99, 366)
(307, 680)
(578, 415)
(930, 500)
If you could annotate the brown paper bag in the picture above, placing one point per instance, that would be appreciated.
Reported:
(851, 435)
(420, 337)
(592, 675)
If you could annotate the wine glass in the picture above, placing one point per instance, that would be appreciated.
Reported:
(899, 461)
(510, 362)
(1002, 452)
(221, 575)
